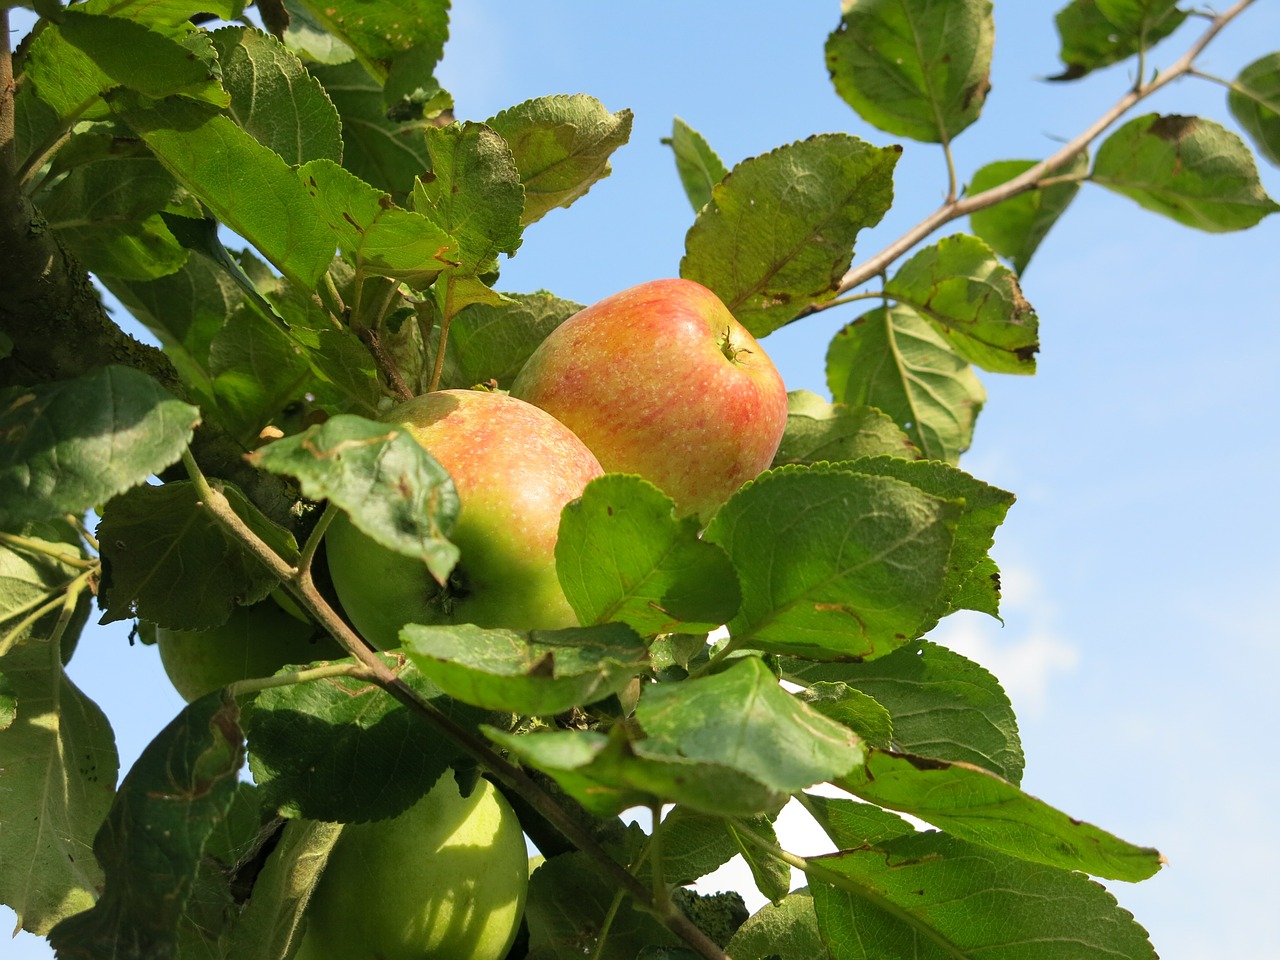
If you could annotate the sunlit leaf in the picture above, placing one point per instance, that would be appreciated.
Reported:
(699, 167)
(67, 445)
(779, 231)
(561, 146)
(818, 430)
(1091, 41)
(893, 359)
(1014, 228)
(914, 68)
(1255, 103)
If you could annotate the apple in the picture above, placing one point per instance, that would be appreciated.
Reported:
(446, 879)
(256, 641)
(662, 381)
(515, 467)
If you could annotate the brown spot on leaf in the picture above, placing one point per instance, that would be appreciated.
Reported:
(1173, 127)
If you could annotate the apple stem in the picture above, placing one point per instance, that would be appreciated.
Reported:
(299, 582)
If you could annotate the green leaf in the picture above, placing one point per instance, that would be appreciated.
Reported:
(834, 564)
(1014, 228)
(153, 537)
(151, 843)
(380, 31)
(1135, 16)
(935, 897)
(394, 491)
(245, 185)
(342, 749)
(257, 372)
(274, 99)
(67, 445)
(169, 13)
(942, 705)
(561, 146)
(493, 341)
(856, 710)
(74, 62)
(771, 875)
(1090, 41)
(57, 750)
(779, 231)
(914, 68)
(694, 844)
(817, 430)
(743, 719)
(271, 923)
(976, 805)
(699, 167)
(893, 359)
(535, 672)
(1255, 103)
(108, 214)
(984, 509)
(1187, 168)
(573, 911)
(472, 191)
(376, 235)
(974, 302)
(787, 930)
(389, 154)
(309, 40)
(622, 554)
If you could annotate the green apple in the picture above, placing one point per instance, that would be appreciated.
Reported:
(662, 381)
(515, 467)
(446, 879)
(255, 641)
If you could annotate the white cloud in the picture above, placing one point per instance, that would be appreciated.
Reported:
(1026, 653)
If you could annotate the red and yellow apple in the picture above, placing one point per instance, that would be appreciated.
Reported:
(446, 880)
(515, 467)
(660, 380)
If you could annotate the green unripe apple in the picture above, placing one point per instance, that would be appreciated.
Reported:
(515, 467)
(446, 880)
(255, 641)
(661, 380)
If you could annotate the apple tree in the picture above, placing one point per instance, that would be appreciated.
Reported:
(285, 199)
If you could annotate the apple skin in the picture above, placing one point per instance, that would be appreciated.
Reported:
(515, 467)
(255, 641)
(446, 879)
(662, 381)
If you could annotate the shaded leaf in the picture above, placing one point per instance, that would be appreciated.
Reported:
(772, 876)
(1255, 103)
(393, 490)
(891, 358)
(974, 302)
(274, 98)
(309, 40)
(1190, 169)
(245, 185)
(561, 146)
(623, 554)
(168, 561)
(935, 897)
(787, 930)
(536, 672)
(844, 704)
(1015, 227)
(1090, 41)
(694, 844)
(779, 232)
(257, 372)
(817, 430)
(942, 704)
(699, 167)
(343, 749)
(379, 31)
(378, 237)
(834, 564)
(914, 68)
(171, 13)
(151, 843)
(67, 445)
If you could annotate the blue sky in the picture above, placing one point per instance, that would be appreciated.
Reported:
(1139, 644)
